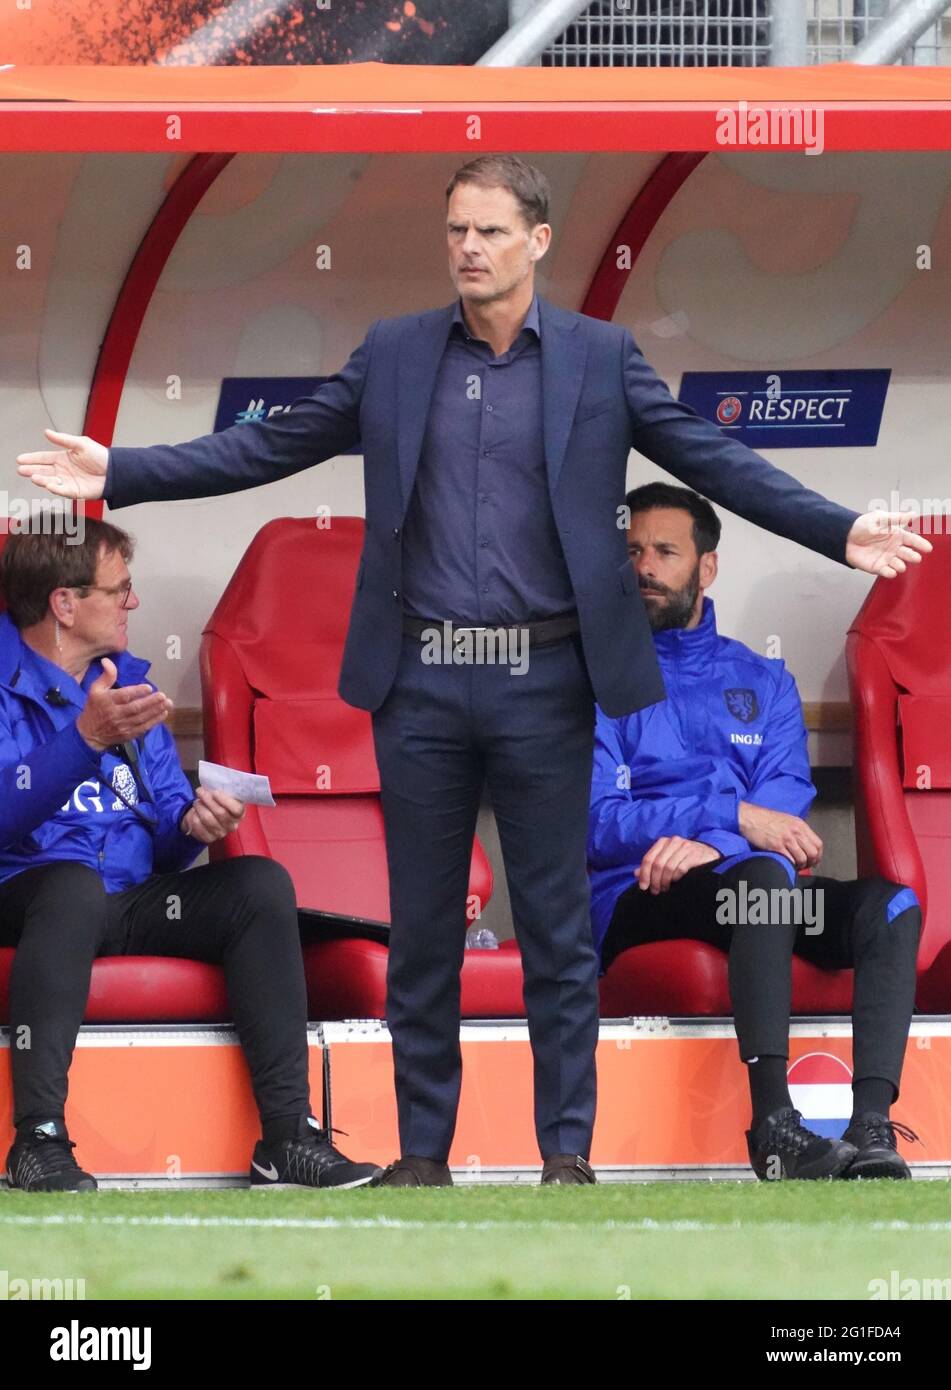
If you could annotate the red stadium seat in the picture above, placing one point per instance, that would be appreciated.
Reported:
(899, 662)
(688, 979)
(678, 979)
(347, 979)
(270, 661)
(143, 989)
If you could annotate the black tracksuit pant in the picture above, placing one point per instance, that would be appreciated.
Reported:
(870, 925)
(239, 913)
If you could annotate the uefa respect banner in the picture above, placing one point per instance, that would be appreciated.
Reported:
(834, 408)
(207, 33)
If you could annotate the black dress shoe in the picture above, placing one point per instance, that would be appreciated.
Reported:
(567, 1168)
(412, 1171)
(878, 1157)
(782, 1147)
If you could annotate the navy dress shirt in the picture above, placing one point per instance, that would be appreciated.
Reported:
(480, 543)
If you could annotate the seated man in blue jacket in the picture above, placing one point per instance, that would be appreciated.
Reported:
(698, 829)
(97, 824)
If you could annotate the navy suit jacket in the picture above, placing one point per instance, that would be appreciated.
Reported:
(601, 398)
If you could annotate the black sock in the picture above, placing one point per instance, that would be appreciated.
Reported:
(872, 1093)
(277, 1128)
(26, 1127)
(768, 1088)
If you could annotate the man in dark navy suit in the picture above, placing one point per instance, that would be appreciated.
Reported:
(496, 433)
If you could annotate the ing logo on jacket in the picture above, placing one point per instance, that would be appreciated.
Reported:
(122, 781)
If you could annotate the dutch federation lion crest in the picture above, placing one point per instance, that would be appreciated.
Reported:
(742, 704)
(123, 782)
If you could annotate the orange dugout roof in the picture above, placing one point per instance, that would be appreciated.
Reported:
(373, 83)
(412, 109)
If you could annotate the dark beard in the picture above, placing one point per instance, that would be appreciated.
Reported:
(676, 606)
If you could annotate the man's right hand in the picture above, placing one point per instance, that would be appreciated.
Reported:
(118, 716)
(76, 469)
(780, 833)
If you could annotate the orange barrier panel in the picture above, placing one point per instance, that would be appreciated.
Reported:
(148, 1103)
(157, 1105)
(668, 1097)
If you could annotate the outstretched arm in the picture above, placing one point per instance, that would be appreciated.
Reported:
(696, 451)
(315, 428)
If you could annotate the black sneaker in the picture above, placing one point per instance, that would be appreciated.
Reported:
(874, 1136)
(309, 1160)
(42, 1161)
(782, 1147)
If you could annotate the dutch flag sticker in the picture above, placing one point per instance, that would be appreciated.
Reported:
(821, 1089)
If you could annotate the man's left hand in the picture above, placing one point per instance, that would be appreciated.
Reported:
(668, 859)
(212, 816)
(879, 544)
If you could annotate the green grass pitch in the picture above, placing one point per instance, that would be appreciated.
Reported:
(641, 1241)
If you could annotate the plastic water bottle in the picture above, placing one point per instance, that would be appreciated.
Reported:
(481, 939)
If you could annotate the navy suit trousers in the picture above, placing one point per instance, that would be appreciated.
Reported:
(442, 734)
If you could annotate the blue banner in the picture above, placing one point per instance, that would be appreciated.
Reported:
(792, 410)
(245, 398)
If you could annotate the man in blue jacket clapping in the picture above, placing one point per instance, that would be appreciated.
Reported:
(697, 829)
(97, 824)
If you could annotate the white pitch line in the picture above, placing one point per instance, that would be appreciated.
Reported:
(374, 1223)
(910, 1226)
(383, 1223)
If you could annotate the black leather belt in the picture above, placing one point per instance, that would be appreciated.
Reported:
(539, 634)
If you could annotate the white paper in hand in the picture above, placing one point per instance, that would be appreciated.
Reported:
(246, 786)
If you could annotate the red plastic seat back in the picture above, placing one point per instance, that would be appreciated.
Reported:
(270, 663)
(899, 662)
(287, 605)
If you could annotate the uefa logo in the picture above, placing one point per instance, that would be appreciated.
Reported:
(729, 410)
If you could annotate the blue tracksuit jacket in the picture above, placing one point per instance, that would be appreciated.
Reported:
(60, 799)
(730, 730)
